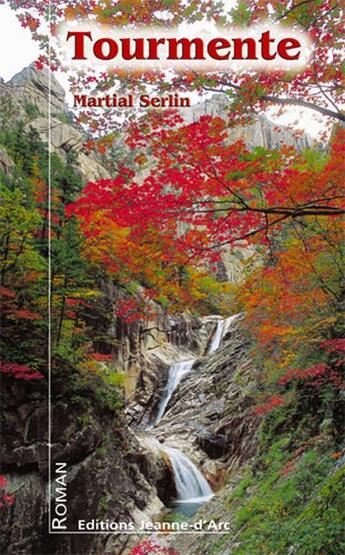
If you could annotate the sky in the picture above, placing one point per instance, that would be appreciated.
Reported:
(19, 50)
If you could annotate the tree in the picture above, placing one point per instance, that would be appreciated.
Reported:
(23, 258)
(218, 192)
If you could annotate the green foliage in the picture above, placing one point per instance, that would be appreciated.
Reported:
(76, 315)
(65, 118)
(17, 223)
(106, 394)
(241, 14)
(174, 516)
(23, 269)
(104, 501)
(241, 490)
(293, 500)
(31, 110)
(88, 385)
(24, 147)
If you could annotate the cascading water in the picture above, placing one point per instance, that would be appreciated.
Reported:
(221, 328)
(190, 483)
(176, 373)
(217, 337)
(192, 488)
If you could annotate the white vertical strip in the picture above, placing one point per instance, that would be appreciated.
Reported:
(49, 269)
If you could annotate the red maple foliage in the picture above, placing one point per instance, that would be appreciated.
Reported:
(315, 371)
(100, 357)
(269, 405)
(318, 86)
(6, 500)
(334, 345)
(24, 314)
(314, 376)
(220, 193)
(221, 190)
(19, 371)
(150, 547)
(7, 293)
(133, 310)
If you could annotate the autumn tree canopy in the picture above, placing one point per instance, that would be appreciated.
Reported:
(220, 191)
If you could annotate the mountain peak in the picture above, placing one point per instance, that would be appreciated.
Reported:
(37, 81)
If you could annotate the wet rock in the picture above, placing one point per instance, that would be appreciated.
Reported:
(210, 415)
(156, 467)
(36, 426)
(215, 446)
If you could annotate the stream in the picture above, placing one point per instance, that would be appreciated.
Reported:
(192, 488)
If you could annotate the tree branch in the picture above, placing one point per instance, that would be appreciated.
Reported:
(285, 101)
(304, 104)
(294, 7)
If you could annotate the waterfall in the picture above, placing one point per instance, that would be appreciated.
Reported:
(217, 337)
(176, 372)
(191, 486)
(221, 328)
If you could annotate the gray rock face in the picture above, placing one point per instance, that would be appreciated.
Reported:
(210, 419)
(6, 164)
(113, 473)
(110, 475)
(65, 137)
(30, 88)
(170, 339)
(262, 132)
(33, 86)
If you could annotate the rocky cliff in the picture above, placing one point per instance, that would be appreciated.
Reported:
(29, 91)
(26, 96)
(109, 473)
(113, 471)
(261, 132)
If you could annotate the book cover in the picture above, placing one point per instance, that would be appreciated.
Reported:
(171, 222)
